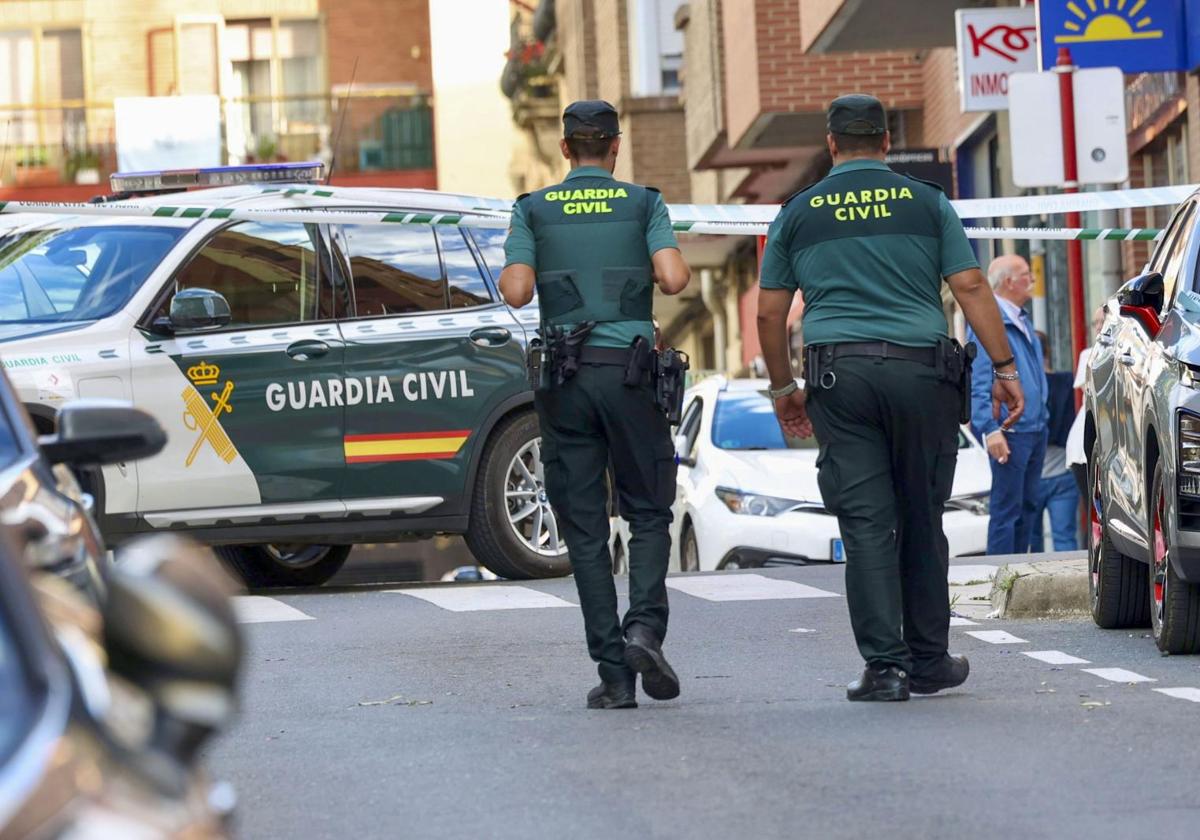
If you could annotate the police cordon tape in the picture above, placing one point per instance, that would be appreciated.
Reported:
(718, 219)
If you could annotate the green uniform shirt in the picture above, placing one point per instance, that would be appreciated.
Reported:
(869, 249)
(521, 246)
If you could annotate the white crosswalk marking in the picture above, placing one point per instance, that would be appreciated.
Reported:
(1118, 675)
(255, 609)
(744, 588)
(996, 637)
(962, 575)
(959, 621)
(1192, 694)
(1055, 657)
(472, 597)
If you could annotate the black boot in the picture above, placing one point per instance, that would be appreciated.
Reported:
(886, 682)
(643, 653)
(946, 673)
(621, 694)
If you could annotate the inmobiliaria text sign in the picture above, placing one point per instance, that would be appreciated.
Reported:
(992, 43)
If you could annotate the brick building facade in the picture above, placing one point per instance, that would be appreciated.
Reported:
(282, 70)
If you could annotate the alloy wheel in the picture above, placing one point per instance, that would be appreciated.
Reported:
(529, 512)
(1161, 559)
(296, 555)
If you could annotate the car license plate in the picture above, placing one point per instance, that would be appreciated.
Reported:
(837, 551)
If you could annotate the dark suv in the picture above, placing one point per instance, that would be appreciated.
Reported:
(1143, 438)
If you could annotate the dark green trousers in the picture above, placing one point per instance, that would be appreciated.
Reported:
(888, 436)
(592, 421)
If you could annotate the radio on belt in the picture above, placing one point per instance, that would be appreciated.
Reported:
(171, 180)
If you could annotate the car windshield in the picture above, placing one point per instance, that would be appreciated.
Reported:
(76, 274)
(746, 420)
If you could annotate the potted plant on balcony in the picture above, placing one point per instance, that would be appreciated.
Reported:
(33, 169)
(83, 167)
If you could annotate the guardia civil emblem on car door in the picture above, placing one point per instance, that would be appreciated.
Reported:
(205, 420)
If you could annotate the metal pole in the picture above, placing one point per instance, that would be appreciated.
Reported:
(1066, 98)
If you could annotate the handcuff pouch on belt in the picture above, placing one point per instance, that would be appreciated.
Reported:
(953, 364)
(670, 377)
(818, 367)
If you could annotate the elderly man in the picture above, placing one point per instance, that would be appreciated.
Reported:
(1017, 452)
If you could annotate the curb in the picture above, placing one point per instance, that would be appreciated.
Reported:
(1041, 589)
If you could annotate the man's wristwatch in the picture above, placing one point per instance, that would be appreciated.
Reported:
(790, 388)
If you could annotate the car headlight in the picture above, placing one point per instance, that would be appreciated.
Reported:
(1189, 442)
(1189, 376)
(754, 504)
(978, 504)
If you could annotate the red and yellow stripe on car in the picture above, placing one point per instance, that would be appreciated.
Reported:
(408, 446)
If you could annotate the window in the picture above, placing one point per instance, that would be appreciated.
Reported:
(689, 428)
(269, 274)
(395, 270)
(43, 70)
(490, 242)
(1169, 261)
(746, 420)
(77, 274)
(467, 286)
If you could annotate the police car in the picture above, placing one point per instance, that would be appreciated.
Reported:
(322, 383)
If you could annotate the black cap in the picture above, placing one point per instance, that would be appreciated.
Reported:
(857, 113)
(590, 118)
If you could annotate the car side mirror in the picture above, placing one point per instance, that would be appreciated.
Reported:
(95, 432)
(170, 628)
(198, 309)
(1141, 299)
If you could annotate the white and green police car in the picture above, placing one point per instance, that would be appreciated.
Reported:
(323, 383)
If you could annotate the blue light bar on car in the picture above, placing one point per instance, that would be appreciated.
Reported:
(217, 176)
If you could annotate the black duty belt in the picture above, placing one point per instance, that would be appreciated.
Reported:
(880, 350)
(589, 355)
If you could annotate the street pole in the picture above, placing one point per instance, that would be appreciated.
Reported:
(1066, 99)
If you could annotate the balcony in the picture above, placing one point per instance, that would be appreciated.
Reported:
(776, 95)
(829, 26)
(384, 136)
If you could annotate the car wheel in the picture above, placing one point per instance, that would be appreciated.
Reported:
(689, 550)
(1117, 588)
(283, 564)
(513, 530)
(620, 559)
(1174, 604)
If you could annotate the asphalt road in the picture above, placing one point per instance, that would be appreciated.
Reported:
(368, 713)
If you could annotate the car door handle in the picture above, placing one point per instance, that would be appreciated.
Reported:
(491, 336)
(1105, 340)
(1126, 359)
(302, 351)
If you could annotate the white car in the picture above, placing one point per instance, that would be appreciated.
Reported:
(747, 496)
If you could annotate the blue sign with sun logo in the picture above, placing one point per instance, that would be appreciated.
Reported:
(1139, 36)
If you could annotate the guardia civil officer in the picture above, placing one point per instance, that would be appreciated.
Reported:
(884, 385)
(594, 247)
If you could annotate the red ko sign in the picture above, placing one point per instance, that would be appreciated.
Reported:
(992, 43)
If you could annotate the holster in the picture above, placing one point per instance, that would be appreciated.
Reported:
(670, 374)
(640, 363)
(564, 350)
(953, 362)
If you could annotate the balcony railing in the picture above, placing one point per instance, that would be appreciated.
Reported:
(375, 129)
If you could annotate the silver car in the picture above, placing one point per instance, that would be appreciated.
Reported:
(1142, 434)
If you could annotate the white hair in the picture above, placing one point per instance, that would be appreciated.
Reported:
(1000, 270)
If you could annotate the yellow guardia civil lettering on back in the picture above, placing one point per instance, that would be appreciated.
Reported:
(855, 205)
(583, 202)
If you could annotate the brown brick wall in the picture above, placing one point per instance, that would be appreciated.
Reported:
(575, 31)
(656, 146)
(782, 78)
(943, 121)
(390, 39)
(612, 50)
